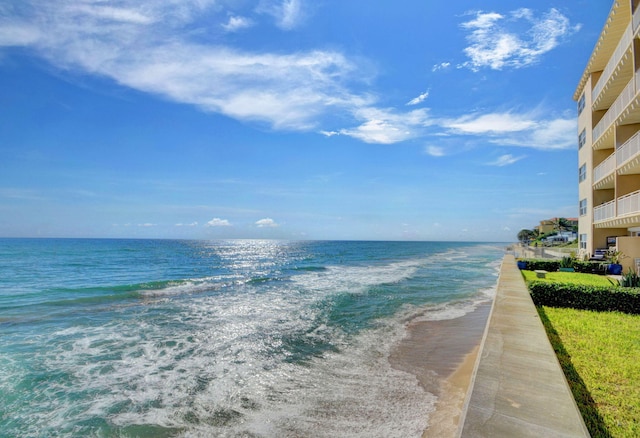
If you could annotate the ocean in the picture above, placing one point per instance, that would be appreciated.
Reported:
(238, 338)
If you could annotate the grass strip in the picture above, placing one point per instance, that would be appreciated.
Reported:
(570, 277)
(599, 353)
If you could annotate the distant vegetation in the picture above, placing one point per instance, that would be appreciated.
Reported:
(534, 238)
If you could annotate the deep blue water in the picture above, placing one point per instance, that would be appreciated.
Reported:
(156, 338)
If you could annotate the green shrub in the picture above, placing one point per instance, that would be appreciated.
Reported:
(589, 267)
(630, 279)
(566, 262)
(549, 265)
(577, 296)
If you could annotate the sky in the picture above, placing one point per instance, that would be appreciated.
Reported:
(290, 119)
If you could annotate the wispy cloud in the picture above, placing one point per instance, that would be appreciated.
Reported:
(514, 40)
(266, 223)
(491, 123)
(435, 151)
(441, 66)
(419, 99)
(192, 224)
(388, 126)
(505, 160)
(151, 46)
(513, 129)
(287, 13)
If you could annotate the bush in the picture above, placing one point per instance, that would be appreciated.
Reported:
(630, 279)
(549, 265)
(589, 267)
(583, 297)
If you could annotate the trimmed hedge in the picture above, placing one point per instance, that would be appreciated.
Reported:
(552, 265)
(583, 297)
(549, 265)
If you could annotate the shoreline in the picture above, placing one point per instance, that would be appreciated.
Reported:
(442, 356)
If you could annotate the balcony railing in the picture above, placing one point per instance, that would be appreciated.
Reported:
(629, 204)
(616, 109)
(605, 168)
(604, 211)
(636, 19)
(628, 150)
(621, 49)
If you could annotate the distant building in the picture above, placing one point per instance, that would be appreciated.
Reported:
(608, 97)
(549, 225)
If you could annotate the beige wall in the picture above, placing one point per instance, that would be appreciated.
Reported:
(630, 247)
(585, 156)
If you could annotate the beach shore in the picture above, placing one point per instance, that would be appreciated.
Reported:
(442, 355)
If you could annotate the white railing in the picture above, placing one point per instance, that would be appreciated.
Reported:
(628, 150)
(623, 100)
(604, 211)
(636, 19)
(629, 204)
(605, 168)
(623, 46)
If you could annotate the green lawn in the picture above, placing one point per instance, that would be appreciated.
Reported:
(600, 355)
(571, 277)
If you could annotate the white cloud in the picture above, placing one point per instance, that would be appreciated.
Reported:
(441, 66)
(505, 160)
(19, 34)
(147, 225)
(237, 23)
(151, 46)
(491, 123)
(217, 222)
(386, 126)
(511, 129)
(435, 151)
(192, 224)
(515, 40)
(287, 13)
(546, 134)
(266, 223)
(419, 99)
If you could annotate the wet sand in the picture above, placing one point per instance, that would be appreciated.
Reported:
(442, 354)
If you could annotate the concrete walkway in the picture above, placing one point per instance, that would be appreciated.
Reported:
(518, 388)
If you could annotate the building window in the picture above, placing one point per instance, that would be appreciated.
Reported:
(583, 241)
(582, 173)
(582, 138)
(583, 207)
(581, 104)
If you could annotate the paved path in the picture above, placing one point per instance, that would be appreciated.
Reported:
(518, 389)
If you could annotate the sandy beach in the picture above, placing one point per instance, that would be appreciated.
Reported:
(442, 354)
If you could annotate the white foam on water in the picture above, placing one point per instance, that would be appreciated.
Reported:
(217, 365)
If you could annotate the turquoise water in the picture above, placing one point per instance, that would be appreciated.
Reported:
(156, 338)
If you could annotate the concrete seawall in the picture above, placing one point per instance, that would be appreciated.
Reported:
(518, 388)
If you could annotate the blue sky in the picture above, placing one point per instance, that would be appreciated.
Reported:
(291, 119)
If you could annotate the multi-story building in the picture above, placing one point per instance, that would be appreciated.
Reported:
(550, 225)
(608, 97)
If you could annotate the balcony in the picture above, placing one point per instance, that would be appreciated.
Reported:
(628, 156)
(628, 212)
(603, 174)
(625, 110)
(615, 74)
(629, 204)
(604, 212)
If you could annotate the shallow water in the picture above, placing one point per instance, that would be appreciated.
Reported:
(223, 338)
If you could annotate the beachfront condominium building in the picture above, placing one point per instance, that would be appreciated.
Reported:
(608, 98)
